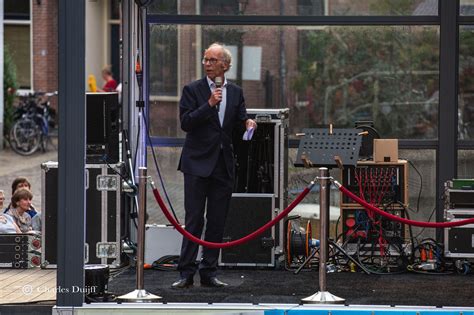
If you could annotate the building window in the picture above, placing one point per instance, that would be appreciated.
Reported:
(219, 7)
(335, 74)
(164, 61)
(17, 38)
(17, 10)
(166, 7)
(311, 7)
(164, 55)
(302, 7)
(466, 83)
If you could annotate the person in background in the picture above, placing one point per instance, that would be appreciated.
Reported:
(2, 198)
(8, 225)
(22, 182)
(20, 203)
(110, 83)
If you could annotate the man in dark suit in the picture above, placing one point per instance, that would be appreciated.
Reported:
(209, 114)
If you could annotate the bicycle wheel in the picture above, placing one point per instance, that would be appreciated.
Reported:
(25, 136)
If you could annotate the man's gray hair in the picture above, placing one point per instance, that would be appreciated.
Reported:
(226, 53)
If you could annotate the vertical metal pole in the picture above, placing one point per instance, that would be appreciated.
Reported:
(323, 296)
(140, 294)
(71, 153)
(323, 226)
(447, 151)
(142, 172)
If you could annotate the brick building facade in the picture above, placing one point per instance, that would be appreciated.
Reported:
(31, 35)
(45, 45)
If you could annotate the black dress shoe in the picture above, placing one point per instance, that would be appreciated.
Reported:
(183, 283)
(213, 282)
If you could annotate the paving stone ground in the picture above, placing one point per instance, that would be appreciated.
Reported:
(13, 165)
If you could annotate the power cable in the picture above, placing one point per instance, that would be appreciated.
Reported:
(421, 186)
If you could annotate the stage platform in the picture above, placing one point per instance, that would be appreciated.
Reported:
(262, 309)
(268, 292)
(283, 287)
(27, 285)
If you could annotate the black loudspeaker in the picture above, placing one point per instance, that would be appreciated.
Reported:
(103, 128)
(96, 279)
(49, 219)
(247, 213)
(104, 214)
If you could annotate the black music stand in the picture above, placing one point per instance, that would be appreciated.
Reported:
(320, 146)
(327, 148)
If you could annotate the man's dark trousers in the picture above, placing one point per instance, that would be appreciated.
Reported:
(218, 189)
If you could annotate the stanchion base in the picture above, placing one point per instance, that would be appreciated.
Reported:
(139, 296)
(323, 297)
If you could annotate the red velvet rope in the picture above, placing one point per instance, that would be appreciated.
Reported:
(392, 217)
(232, 243)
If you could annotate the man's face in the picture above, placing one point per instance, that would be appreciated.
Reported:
(214, 64)
(2, 199)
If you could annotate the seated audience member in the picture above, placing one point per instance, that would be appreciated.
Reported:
(8, 225)
(21, 202)
(22, 182)
(2, 198)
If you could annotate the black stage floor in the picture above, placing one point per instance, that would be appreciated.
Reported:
(280, 286)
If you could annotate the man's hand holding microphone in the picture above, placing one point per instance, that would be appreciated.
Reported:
(216, 95)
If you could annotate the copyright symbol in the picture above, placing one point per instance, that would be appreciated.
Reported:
(27, 289)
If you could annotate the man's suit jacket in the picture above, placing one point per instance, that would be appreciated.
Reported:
(204, 135)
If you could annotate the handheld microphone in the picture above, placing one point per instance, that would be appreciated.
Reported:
(218, 82)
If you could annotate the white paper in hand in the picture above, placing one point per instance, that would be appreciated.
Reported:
(248, 134)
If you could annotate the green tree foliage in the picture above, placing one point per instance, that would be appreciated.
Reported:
(392, 7)
(9, 87)
(466, 60)
(466, 82)
(384, 74)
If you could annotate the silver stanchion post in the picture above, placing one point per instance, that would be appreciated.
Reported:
(140, 294)
(323, 296)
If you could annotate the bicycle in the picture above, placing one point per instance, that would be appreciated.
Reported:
(33, 119)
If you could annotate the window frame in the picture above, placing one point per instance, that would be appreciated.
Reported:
(164, 98)
(448, 20)
(298, 21)
(29, 23)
